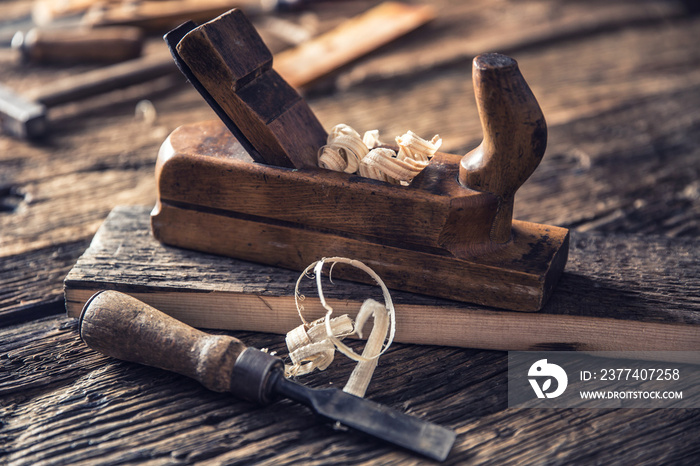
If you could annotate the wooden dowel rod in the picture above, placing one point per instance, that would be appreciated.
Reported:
(349, 41)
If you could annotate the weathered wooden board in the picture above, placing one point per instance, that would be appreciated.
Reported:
(605, 300)
(29, 284)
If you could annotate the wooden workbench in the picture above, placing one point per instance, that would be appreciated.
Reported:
(619, 84)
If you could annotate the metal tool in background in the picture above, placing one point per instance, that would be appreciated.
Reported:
(125, 328)
(25, 116)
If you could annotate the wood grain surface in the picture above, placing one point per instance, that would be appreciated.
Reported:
(619, 85)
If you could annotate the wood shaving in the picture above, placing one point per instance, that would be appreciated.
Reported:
(371, 139)
(308, 347)
(383, 164)
(413, 147)
(344, 148)
(312, 345)
(359, 378)
(346, 151)
(146, 111)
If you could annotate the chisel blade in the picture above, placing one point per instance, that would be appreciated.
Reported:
(377, 420)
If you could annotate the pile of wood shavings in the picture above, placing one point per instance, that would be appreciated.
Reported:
(346, 151)
(312, 345)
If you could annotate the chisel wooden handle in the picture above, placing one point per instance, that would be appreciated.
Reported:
(515, 136)
(123, 327)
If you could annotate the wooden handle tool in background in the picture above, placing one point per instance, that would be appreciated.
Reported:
(161, 15)
(123, 327)
(24, 116)
(82, 45)
(351, 40)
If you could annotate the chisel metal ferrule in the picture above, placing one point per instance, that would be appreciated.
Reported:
(252, 375)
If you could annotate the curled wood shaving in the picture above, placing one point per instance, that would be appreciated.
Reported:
(346, 151)
(308, 347)
(331, 159)
(382, 164)
(371, 139)
(344, 148)
(413, 147)
(360, 377)
(311, 345)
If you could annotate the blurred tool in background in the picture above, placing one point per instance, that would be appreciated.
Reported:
(24, 116)
(69, 35)
(152, 16)
(83, 45)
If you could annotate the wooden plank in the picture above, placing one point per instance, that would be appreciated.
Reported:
(354, 38)
(31, 283)
(599, 305)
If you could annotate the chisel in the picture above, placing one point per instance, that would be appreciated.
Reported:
(125, 328)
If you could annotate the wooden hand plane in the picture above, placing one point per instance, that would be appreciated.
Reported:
(249, 186)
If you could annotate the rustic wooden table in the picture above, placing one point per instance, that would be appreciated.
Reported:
(619, 83)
